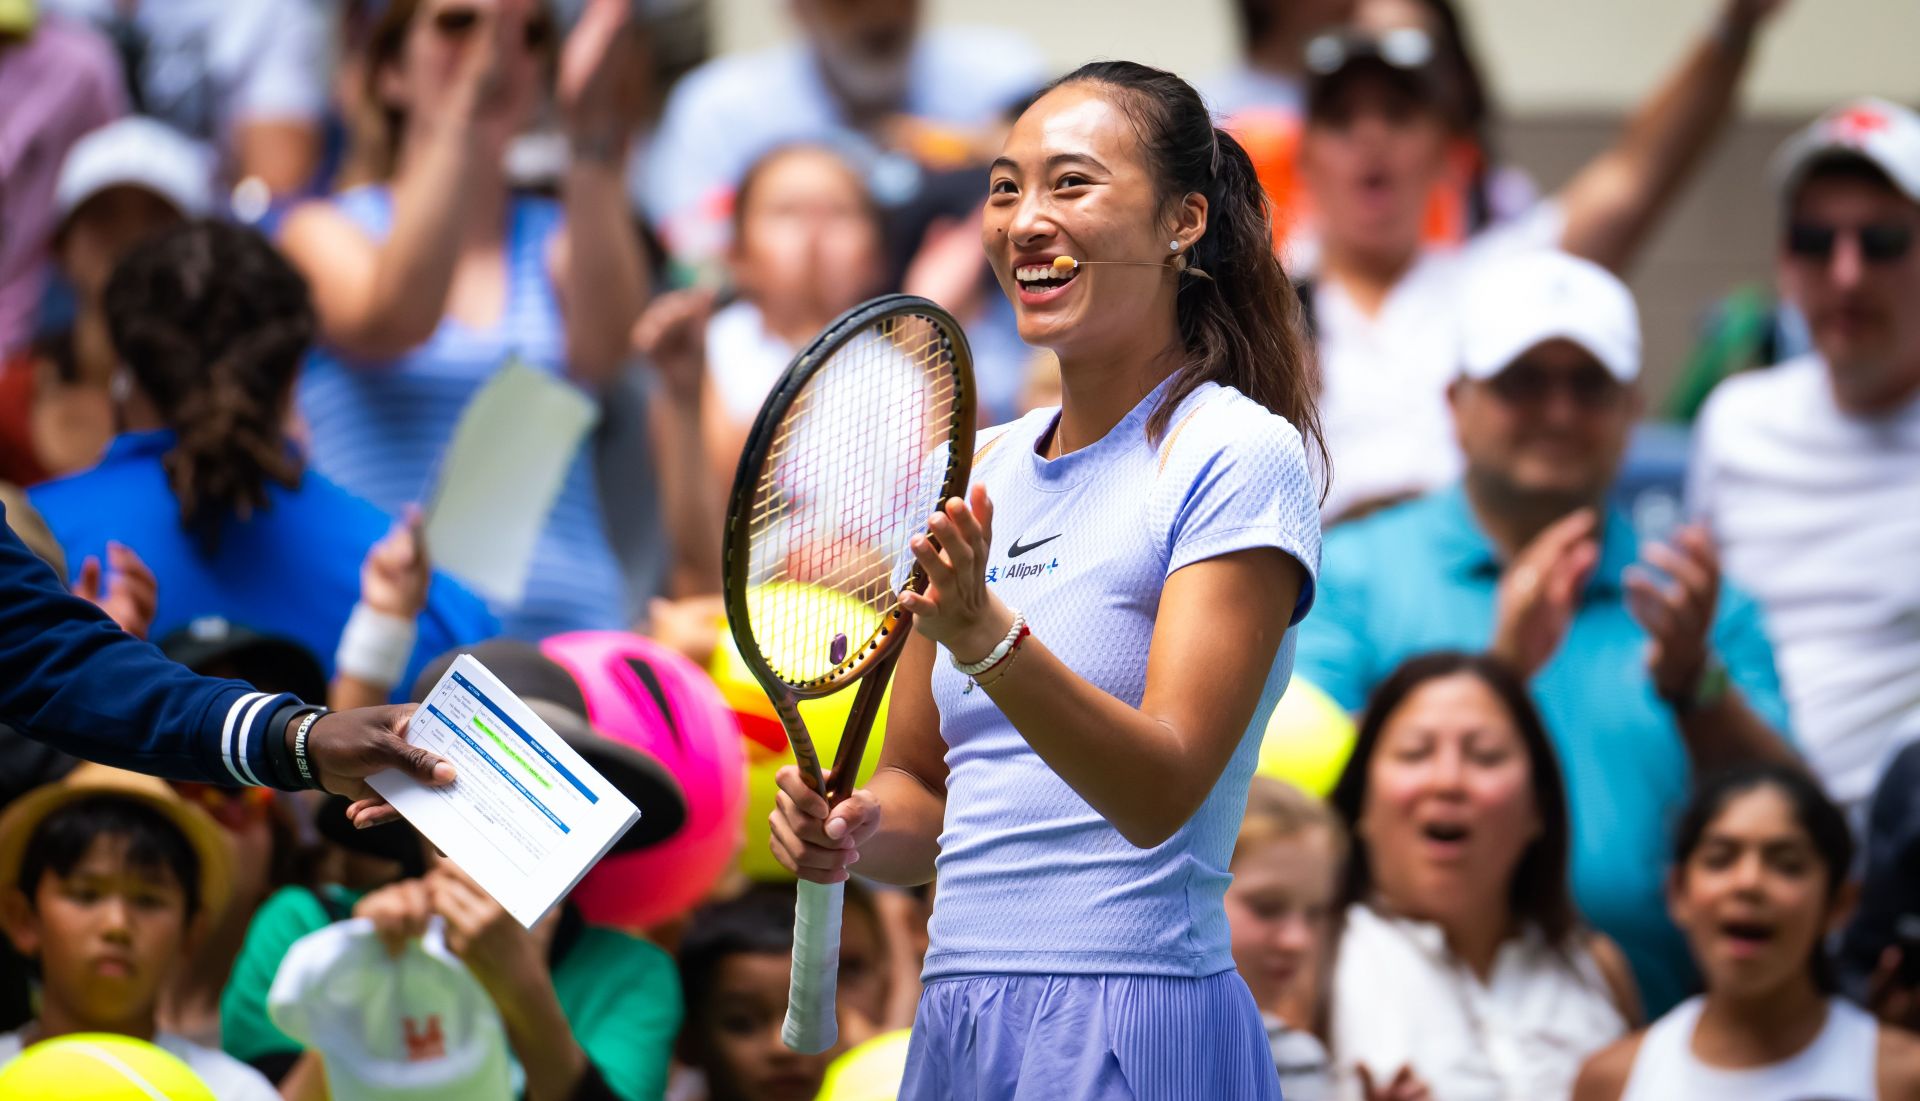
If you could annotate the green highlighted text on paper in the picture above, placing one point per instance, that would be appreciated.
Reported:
(501, 744)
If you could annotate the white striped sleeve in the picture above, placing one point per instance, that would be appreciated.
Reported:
(228, 756)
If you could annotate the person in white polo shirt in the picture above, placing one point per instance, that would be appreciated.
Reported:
(1809, 472)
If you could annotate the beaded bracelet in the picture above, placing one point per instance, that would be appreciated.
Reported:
(974, 669)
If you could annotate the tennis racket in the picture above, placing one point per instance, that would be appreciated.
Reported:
(867, 433)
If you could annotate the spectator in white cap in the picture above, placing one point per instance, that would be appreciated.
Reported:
(117, 186)
(1808, 473)
(1644, 666)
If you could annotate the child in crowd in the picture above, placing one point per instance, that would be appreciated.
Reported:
(1281, 910)
(1759, 883)
(735, 962)
(590, 1012)
(807, 245)
(109, 878)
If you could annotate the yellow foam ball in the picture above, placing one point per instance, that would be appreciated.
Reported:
(870, 1072)
(1308, 739)
(93, 1066)
(767, 748)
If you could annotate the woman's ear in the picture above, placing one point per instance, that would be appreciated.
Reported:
(1190, 220)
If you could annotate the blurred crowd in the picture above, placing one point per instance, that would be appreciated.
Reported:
(1571, 795)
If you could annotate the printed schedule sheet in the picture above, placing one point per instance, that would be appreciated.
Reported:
(527, 817)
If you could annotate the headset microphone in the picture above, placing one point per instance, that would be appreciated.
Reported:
(1065, 264)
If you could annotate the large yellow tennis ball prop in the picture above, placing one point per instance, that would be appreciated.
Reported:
(1308, 739)
(94, 1066)
(870, 1072)
(766, 739)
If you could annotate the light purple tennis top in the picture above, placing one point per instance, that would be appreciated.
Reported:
(1033, 879)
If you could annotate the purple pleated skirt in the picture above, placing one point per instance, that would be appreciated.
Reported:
(1089, 1038)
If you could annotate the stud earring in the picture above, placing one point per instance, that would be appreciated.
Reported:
(1173, 246)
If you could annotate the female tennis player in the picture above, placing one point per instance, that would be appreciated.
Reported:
(1106, 625)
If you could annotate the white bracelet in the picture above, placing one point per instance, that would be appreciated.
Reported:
(375, 646)
(974, 669)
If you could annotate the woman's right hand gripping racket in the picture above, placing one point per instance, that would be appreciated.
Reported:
(869, 431)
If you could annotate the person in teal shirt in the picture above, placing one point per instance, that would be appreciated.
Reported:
(1646, 669)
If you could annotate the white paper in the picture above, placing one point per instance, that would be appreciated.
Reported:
(527, 816)
(500, 475)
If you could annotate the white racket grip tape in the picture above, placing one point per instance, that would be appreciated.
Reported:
(811, 1027)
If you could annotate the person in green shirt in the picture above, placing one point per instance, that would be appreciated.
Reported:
(590, 1011)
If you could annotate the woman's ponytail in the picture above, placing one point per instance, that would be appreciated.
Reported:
(212, 323)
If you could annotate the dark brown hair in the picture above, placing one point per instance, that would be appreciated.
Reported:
(1538, 895)
(213, 323)
(1244, 326)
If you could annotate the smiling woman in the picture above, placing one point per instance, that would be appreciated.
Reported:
(1076, 769)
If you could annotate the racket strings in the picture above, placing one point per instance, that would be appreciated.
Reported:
(855, 468)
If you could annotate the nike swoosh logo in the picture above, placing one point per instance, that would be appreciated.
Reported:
(1018, 549)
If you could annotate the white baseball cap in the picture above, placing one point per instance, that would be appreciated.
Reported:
(1513, 303)
(1883, 134)
(416, 1027)
(137, 152)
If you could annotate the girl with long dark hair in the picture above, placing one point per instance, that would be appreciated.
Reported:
(1106, 628)
(1759, 881)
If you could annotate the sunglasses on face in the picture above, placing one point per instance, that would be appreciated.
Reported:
(1882, 243)
(457, 23)
(1524, 383)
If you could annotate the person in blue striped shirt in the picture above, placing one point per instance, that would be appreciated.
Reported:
(429, 282)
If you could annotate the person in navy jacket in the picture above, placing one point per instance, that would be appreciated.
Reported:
(70, 677)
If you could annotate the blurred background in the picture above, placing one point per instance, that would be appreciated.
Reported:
(1564, 74)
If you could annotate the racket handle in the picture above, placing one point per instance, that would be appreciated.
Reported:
(811, 1027)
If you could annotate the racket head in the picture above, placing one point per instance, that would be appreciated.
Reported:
(867, 432)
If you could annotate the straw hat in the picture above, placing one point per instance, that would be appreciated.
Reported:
(209, 842)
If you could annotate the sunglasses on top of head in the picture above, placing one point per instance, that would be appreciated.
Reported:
(459, 22)
(1880, 243)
